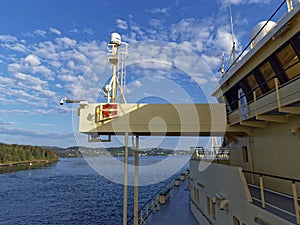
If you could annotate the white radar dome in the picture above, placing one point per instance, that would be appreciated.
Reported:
(115, 38)
(269, 26)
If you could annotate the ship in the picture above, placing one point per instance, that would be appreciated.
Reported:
(253, 176)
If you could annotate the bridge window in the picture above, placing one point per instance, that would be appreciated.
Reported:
(288, 62)
(232, 97)
(252, 83)
(268, 74)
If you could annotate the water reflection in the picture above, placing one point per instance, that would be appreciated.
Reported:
(24, 166)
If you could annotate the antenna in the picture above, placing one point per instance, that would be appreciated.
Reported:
(222, 69)
(232, 55)
(117, 53)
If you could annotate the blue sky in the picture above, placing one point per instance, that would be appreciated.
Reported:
(55, 48)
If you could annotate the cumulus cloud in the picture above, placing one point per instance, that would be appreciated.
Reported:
(33, 60)
(54, 31)
(244, 2)
(88, 31)
(163, 10)
(65, 42)
(40, 32)
(46, 124)
(35, 134)
(7, 123)
(7, 38)
(137, 84)
(122, 24)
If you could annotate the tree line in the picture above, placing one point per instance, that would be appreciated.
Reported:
(22, 153)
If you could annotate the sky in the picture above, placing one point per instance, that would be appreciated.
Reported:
(50, 49)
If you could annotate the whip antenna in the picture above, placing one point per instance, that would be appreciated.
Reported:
(232, 55)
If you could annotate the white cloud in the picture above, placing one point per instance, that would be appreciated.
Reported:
(244, 2)
(213, 61)
(13, 111)
(67, 77)
(7, 38)
(46, 124)
(36, 134)
(17, 47)
(122, 24)
(163, 10)
(40, 32)
(88, 31)
(157, 23)
(196, 32)
(54, 31)
(65, 42)
(6, 80)
(137, 84)
(33, 60)
(7, 123)
(36, 82)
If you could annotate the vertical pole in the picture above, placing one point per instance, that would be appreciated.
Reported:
(136, 182)
(289, 5)
(261, 184)
(251, 144)
(277, 94)
(125, 180)
(294, 187)
(114, 84)
(114, 62)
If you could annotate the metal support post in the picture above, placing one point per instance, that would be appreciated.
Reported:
(297, 210)
(289, 5)
(114, 84)
(125, 180)
(136, 182)
(261, 185)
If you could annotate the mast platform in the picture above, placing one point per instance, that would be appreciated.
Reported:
(154, 119)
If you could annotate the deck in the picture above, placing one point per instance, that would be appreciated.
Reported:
(176, 210)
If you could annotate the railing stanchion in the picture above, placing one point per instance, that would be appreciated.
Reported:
(153, 208)
(294, 187)
(261, 185)
(142, 220)
(147, 210)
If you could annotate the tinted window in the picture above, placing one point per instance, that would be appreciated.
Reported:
(288, 61)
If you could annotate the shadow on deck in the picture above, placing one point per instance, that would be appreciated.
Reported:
(177, 208)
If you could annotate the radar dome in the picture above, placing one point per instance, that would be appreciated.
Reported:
(115, 38)
(269, 26)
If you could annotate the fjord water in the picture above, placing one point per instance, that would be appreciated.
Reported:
(66, 192)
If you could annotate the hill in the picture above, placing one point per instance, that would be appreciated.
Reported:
(13, 153)
(78, 151)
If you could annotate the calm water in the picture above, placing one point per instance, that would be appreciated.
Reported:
(67, 192)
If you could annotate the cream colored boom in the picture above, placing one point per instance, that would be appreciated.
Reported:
(153, 119)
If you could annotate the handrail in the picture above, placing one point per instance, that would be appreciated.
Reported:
(219, 153)
(262, 192)
(153, 198)
(259, 85)
(273, 176)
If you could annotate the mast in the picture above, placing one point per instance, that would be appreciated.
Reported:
(117, 53)
(232, 55)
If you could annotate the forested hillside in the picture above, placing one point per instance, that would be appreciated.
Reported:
(23, 153)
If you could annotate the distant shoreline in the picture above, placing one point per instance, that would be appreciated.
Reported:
(26, 162)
